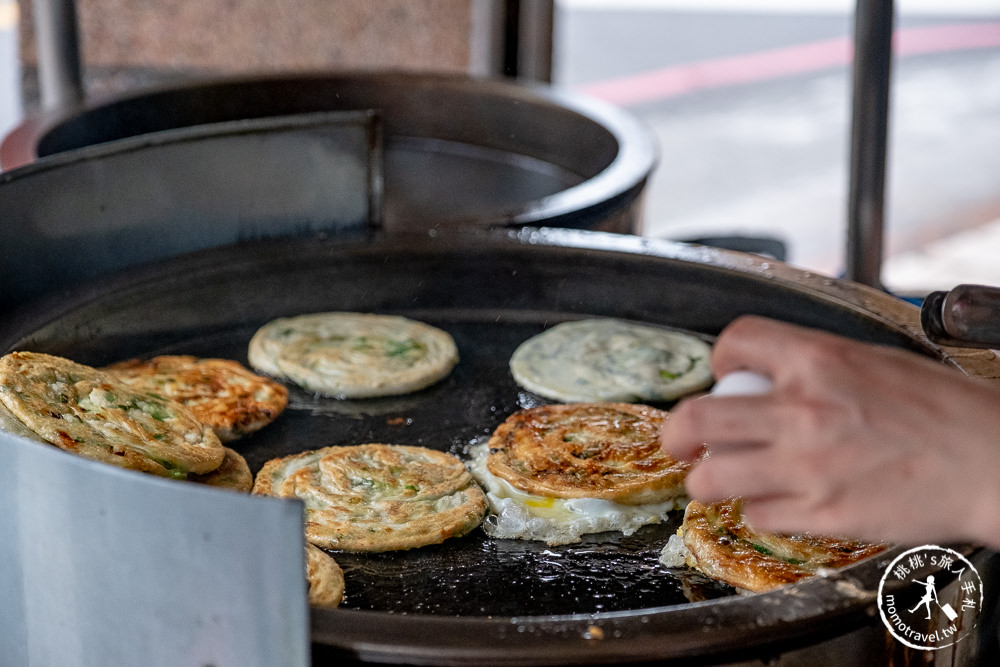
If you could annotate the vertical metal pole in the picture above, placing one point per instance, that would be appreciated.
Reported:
(535, 27)
(512, 38)
(869, 139)
(487, 38)
(59, 71)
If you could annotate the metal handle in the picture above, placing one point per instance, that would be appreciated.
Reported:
(966, 316)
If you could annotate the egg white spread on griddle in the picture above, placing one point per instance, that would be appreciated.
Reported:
(515, 514)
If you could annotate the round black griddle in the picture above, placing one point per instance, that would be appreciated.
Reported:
(474, 600)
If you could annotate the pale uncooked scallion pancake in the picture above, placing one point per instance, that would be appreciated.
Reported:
(723, 546)
(353, 355)
(611, 360)
(377, 497)
(87, 412)
(219, 392)
(325, 578)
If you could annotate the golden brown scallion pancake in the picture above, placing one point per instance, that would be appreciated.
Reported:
(9, 423)
(233, 474)
(606, 359)
(88, 412)
(377, 497)
(723, 546)
(516, 514)
(219, 392)
(325, 578)
(353, 355)
(609, 451)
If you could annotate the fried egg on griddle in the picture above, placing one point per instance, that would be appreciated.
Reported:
(723, 546)
(556, 472)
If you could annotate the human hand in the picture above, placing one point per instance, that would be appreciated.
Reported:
(854, 439)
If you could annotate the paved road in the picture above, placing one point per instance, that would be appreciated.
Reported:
(769, 156)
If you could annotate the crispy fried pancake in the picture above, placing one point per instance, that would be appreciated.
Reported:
(611, 360)
(234, 474)
(353, 355)
(325, 578)
(724, 547)
(377, 497)
(609, 451)
(11, 424)
(219, 392)
(86, 411)
(516, 514)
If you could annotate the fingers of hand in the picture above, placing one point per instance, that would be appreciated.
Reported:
(789, 514)
(759, 343)
(729, 421)
(849, 515)
(766, 469)
(761, 447)
(795, 357)
(744, 472)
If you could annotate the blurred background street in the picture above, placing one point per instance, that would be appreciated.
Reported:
(10, 102)
(750, 103)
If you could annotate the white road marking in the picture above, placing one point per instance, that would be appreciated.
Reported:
(952, 8)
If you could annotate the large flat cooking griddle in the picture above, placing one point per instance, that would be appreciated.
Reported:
(473, 599)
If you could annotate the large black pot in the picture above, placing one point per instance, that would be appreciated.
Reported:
(458, 150)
